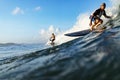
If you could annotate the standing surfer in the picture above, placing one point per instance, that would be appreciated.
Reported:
(52, 39)
(96, 17)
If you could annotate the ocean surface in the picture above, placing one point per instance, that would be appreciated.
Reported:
(13, 49)
(95, 56)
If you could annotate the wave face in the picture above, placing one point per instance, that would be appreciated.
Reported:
(95, 56)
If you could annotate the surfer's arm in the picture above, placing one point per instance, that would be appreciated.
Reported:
(106, 16)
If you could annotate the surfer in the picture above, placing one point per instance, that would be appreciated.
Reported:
(96, 16)
(52, 38)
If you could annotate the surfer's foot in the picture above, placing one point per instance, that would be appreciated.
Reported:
(91, 29)
(100, 30)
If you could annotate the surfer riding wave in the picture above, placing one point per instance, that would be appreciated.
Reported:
(52, 39)
(96, 17)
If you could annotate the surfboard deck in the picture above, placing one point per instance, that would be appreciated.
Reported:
(83, 33)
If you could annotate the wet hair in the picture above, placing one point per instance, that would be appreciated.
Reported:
(104, 4)
(52, 33)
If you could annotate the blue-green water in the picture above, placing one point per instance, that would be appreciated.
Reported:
(95, 56)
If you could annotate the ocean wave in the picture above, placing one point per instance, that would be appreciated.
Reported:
(92, 57)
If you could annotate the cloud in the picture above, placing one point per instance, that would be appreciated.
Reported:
(17, 10)
(38, 8)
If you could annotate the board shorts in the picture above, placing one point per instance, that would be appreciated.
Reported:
(93, 18)
(52, 40)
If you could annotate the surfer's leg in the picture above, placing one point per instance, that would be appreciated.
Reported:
(95, 23)
(92, 27)
(99, 22)
(53, 40)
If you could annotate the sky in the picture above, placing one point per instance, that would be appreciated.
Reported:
(22, 20)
